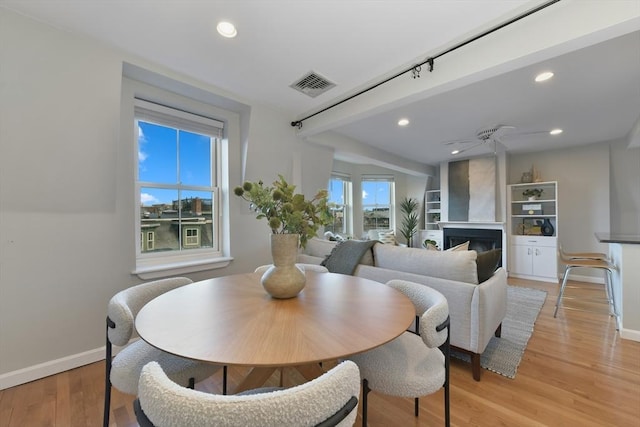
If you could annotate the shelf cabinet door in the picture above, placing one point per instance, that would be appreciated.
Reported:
(521, 260)
(545, 262)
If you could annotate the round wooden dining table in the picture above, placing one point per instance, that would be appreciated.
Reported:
(231, 320)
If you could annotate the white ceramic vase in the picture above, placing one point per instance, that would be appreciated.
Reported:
(284, 279)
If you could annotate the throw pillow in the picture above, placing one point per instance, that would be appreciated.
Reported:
(487, 263)
(461, 247)
(387, 237)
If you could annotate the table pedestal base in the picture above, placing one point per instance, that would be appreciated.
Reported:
(258, 376)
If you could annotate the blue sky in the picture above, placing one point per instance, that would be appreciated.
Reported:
(375, 192)
(157, 162)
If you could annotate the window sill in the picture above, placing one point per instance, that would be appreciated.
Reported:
(154, 270)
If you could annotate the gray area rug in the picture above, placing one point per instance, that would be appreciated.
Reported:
(503, 355)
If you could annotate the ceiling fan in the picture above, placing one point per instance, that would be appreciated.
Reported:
(484, 135)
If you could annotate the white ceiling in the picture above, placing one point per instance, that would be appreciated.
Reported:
(594, 96)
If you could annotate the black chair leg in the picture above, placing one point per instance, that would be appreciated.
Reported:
(224, 379)
(192, 383)
(365, 391)
(107, 403)
(416, 403)
(107, 375)
(447, 415)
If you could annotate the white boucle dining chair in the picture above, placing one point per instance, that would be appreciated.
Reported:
(305, 267)
(416, 363)
(123, 371)
(329, 400)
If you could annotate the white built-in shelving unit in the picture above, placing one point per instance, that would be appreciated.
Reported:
(533, 245)
(432, 211)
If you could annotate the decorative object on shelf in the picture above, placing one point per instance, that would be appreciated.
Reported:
(293, 221)
(430, 244)
(547, 228)
(408, 207)
(532, 209)
(526, 178)
(535, 174)
(532, 193)
(531, 227)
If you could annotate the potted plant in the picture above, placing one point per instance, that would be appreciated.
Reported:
(532, 193)
(293, 220)
(408, 207)
(287, 212)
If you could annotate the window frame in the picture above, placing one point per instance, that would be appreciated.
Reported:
(165, 116)
(347, 205)
(191, 260)
(379, 178)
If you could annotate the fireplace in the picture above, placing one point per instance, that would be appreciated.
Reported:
(479, 239)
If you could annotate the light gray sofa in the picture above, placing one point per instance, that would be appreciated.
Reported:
(476, 309)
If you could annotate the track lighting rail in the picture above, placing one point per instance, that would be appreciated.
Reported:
(415, 69)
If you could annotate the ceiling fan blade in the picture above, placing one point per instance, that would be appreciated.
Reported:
(460, 141)
(456, 152)
(535, 132)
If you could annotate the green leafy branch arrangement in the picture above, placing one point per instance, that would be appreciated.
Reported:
(285, 210)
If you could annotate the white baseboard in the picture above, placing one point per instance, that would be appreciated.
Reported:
(630, 334)
(35, 372)
(52, 367)
(575, 277)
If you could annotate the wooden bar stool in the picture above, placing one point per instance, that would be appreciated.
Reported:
(583, 255)
(580, 260)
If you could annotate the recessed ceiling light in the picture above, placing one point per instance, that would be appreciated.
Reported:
(455, 151)
(556, 132)
(403, 122)
(226, 29)
(544, 76)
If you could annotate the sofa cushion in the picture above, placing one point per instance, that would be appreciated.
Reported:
(387, 237)
(488, 263)
(373, 234)
(319, 247)
(461, 247)
(456, 265)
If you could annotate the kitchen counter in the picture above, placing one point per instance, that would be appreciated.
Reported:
(631, 239)
(624, 251)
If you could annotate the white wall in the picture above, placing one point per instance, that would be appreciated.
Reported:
(66, 192)
(625, 188)
(583, 192)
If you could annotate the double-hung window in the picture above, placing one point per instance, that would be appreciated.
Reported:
(377, 202)
(340, 204)
(178, 173)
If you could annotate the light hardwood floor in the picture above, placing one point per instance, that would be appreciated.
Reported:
(576, 371)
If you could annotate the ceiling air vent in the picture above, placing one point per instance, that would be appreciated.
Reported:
(312, 84)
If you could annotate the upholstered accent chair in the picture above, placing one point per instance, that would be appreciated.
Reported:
(123, 371)
(329, 400)
(417, 362)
